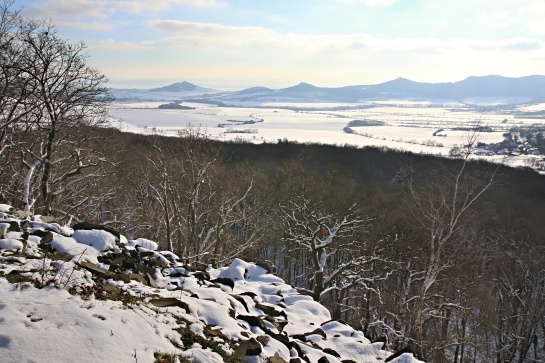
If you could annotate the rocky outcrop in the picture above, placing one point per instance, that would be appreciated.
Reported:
(236, 311)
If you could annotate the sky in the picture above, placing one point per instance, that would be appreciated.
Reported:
(235, 44)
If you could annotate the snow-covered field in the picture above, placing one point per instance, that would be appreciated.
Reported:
(407, 125)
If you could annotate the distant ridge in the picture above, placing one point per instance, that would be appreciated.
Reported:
(493, 88)
(253, 90)
(529, 86)
(176, 87)
(304, 87)
(529, 89)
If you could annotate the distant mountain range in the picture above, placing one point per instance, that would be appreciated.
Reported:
(532, 87)
(487, 89)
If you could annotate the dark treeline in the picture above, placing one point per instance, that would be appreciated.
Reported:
(443, 256)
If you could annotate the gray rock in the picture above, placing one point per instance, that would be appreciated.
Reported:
(253, 321)
(276, 358)
(94, 268)
(169, 301)
(248, 347)
(151, 281)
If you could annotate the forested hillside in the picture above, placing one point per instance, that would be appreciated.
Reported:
(441, 255)
(381, 238)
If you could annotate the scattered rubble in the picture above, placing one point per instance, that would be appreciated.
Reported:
(232, 314)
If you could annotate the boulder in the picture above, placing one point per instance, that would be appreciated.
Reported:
(151, 281)
(90, 226)
(14, 226)
(241, 300)
(94, 268)
(224, 281)
(202, 276)
(169, 301)
(270, 310)
(253, 321)
(249, 293)
(278, 323)
(282, 338)
(331, 352)
(406, 349)
(248, 347)
(276, 358)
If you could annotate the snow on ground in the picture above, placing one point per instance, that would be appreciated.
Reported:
(424, 136)
(312, 105)
(137, 105)
(486, 101)
(408, 127)
(50, 325)
(70, 307)
(419, 102)
(533, 107)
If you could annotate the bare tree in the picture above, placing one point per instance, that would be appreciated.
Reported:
(513, 319)
(440, 206)
(16, 104)
(14, 86)
(50, 97)
(331, 251)
(204, 217)
(73, 96)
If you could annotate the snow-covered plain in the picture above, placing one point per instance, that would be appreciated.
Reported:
(408, 125)
(71, 310)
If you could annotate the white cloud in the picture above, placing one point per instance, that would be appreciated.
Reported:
(113, 44)
(140, 6)
(370, 3)
(87, 25)
(498, 20)
(513, 44)
(69, 9)
(533, 8)
(531, 16)
(253, 42)
(224, 52)
(209, 29)
(217, 36)
(103, 9)
(537, 26)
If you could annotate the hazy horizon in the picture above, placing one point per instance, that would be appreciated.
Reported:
(229, 87)
(228, 45)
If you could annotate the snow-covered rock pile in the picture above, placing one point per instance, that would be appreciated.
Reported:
(88, 294)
